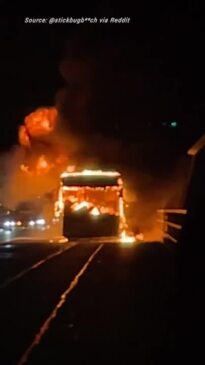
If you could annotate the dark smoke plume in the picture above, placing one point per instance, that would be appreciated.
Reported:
(104, 105)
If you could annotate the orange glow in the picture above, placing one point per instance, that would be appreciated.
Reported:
(42, 165)
(140, 237)
(70, 168)
(61, 159)
(25, 168)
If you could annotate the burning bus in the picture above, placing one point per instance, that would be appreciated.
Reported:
(93, 203)
(86, 203)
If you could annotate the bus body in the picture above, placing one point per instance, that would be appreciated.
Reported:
(93, 203)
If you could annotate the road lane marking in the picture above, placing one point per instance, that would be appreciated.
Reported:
(35, 266)
(44, 328)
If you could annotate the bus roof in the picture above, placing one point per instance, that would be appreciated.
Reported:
(93, 178)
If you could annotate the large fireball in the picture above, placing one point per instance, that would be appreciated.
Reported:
(40, 123)
(38, 135)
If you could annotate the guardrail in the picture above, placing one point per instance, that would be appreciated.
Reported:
(171, 221)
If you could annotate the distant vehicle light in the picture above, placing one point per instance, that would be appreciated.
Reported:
(41, 221)
(7, 224)
(173, 124)
(31, 223)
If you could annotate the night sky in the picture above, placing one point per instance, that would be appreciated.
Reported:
(142, 75)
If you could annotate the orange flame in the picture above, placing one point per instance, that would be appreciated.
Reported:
(41, 122)
(43, 165)
(80, 205)
(23, 136)
(37, 125)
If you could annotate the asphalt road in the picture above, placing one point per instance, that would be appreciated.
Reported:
(86, 300)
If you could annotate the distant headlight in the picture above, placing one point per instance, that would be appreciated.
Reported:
(9, 224)
(31, 223)
(40, 222)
